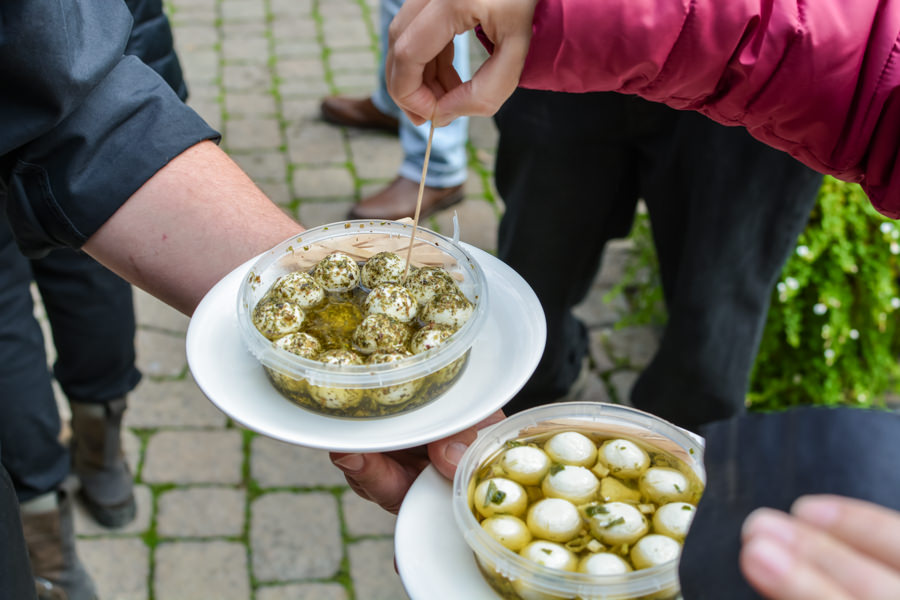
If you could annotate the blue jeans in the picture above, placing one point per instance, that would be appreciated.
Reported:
(447, 164)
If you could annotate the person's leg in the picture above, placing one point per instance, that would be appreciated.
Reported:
(566, 172)
(16, 580)
(726, 211)
(91, 313)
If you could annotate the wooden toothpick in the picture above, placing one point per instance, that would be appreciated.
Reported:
(412, 237)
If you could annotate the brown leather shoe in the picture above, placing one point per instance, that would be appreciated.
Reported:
(357, 112)
(398, 200)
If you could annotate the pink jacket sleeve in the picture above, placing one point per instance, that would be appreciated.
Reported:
(815, 78)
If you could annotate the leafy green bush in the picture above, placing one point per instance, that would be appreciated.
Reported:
(832, 335)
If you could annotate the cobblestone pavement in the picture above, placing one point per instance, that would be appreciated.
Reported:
(224, 513)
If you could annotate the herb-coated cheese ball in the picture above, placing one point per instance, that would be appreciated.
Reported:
(624, 458)
(384, 267)
(430, 336)
(615, 523)
(673, 519)
(427, 282)
(554, 519)
(337, 272)
(571, 448)
(392, 300)
(335, 397)
(277, 319)
(379, 332)
(499, 495)
(392, 395)
(300, 289)
(450, 308)
(301, 344)
(663, 485)
(550, 554)
(525, 464)
(654, 549)
(604, 563)
(510, 531)
(576, 484)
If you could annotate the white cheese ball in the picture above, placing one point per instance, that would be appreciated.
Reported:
(663, 485)
(604, 563)
(615, 523)
(384, 267)
(299, 288)
(277, 319)
(550, 554)
(673, 519)
(510, 531)
(427, 282)
(450, 308)
(571, 448)
(379, 332)
(393, 395)
(499, 495)
(525, 464)
(392, 300)
(335, 398)
(301, 344)
(430, 336)
(336, 272)
(554, 519)
(654, 549)
(624, 458)
(576, 484)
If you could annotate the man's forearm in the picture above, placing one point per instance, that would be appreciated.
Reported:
(188, 226)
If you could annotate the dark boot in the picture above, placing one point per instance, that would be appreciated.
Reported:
(107, 486)
(50, 538)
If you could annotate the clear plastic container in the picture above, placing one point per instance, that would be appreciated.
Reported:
(515, 577)
(310, 383)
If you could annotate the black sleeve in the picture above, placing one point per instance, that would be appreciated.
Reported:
(82, 126)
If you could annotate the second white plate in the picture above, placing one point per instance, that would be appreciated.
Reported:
(501, 360)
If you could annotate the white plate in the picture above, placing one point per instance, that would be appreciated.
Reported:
(429, 550)
(501, 360)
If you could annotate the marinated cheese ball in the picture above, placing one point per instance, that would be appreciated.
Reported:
(663, 485)
(576, 484)
(550, 554)
(654, 549)
(449, 308)
(334, 397)
(510, 531)
(604, 563)
(392, 395)
(554, 519)
(525, 464)
(673, 519)
(571, 448)
(392, 300)
(299, 288)
(277, 319)
(624, 458)
(379, 332)
(427, 282)
(615, 523)
(499, 495)
(301, 344)
(430, 336)
(337, 272)
(384, 267)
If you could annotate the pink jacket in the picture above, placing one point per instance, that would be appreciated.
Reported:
(816, 78)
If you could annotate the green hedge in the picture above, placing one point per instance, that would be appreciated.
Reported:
(831, 336)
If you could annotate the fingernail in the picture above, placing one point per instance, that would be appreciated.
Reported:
(765, 522)
(816, 510)
(351, 462)
(770, 556)
(454, 452)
